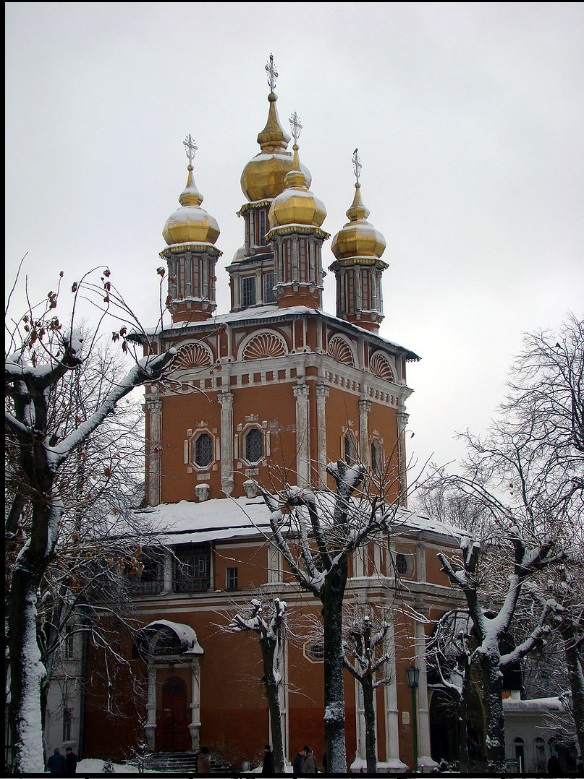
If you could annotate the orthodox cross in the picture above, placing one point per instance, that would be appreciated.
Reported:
(190, 148)
(272, 73)
(357, 165)
(295, 126)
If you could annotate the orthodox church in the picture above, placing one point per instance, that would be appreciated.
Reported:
(268, 394)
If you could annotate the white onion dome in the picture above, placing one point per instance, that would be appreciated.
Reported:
(296, 204)
(264, 176)
(358, 238)
(190, 223)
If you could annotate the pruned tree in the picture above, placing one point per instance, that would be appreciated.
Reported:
(527, 474)
(317, 533)
(41, 351)
(449, 655)
(269, 625)
(491, 628)
(367, 657)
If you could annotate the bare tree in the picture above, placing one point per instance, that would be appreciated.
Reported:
(269, 624)
(317, 533)
(41, 352)
(365, 643)
(527, 473)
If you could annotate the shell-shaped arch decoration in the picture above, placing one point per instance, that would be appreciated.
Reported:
(340, 350)
(262, 345)
(195, 355)
(380, 366)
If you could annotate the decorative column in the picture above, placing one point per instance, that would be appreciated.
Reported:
(302, 435)
(391, 709)
(226, 401)
(154, 411)
(365, 453)
(195, 705)
(150, 726)
(402, 421)
(322, 392)
(424, 761)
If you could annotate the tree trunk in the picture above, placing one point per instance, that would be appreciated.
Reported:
(369, 713)
(494, 715)
(462, 712)
(273, 695)
(575, 666)
(334, 697)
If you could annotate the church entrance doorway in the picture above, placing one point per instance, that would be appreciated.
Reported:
(174, 732)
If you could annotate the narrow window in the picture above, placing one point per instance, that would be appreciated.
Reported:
(350, 449)
(269, 296)
(254, 445)
(203, 450)
(231, 579)
(67, 720)
(262, 235)
(69, 645)
(248, 292)
(376, 456)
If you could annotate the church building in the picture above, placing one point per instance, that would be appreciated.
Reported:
(267, 394)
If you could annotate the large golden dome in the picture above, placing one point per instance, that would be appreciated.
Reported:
(296, 204)
(358, 238)
(264, 176)
(190, 223)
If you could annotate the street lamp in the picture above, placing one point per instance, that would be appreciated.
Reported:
(413, 677)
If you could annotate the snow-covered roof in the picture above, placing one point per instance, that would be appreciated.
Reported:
(185, 634)
(533, 706)
(221, 519)
(270, 312)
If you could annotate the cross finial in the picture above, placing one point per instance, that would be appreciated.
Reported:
(190, 148)
(357, 165)
(272, 73)
(295, 126)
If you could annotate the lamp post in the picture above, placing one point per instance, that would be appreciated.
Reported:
(413, 677)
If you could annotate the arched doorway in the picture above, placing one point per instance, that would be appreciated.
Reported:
(174, 716)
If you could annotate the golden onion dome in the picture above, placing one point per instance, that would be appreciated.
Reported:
(264, 176)
(296, 204)
(190, 223)
(358, 238)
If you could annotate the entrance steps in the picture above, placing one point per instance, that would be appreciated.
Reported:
(182, 763)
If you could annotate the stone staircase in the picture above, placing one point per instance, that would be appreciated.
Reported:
(182, 763)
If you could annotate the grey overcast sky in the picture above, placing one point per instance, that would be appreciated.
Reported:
(469, 119)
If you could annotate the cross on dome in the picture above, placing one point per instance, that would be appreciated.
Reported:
(357, 165)
(272, 73)
(190, 148)
(296, 126)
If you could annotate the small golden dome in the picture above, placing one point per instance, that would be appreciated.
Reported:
(296, 204)
(358, 238)
(264, 176)
(190, 223)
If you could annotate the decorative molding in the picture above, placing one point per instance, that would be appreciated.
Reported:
(340, 349)
(261, 345)
(193, 355)
(381, 366)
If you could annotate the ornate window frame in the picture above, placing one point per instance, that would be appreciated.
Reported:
(189, 455)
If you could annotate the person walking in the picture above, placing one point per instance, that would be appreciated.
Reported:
(309, 763)
(554, 767)
(297, 764)
(57, 764)
(268, 764)
(203, 761)
(71, 760)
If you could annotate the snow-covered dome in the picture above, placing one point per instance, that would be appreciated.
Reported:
(296, 204)
(358, 238)
(264, 176)
(190, 223)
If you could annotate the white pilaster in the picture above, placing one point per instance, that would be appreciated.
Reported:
(322, 392)
(226, 401)
(154, 410)
(302, 435)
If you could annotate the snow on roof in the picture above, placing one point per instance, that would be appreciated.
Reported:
(272, 312)
(534, 705)
(184, 633)
(221, 519)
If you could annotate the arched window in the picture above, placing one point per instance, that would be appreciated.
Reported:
(350, 448)
(376, 456)
(203, 450)
(519, 750)
(254, 445)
